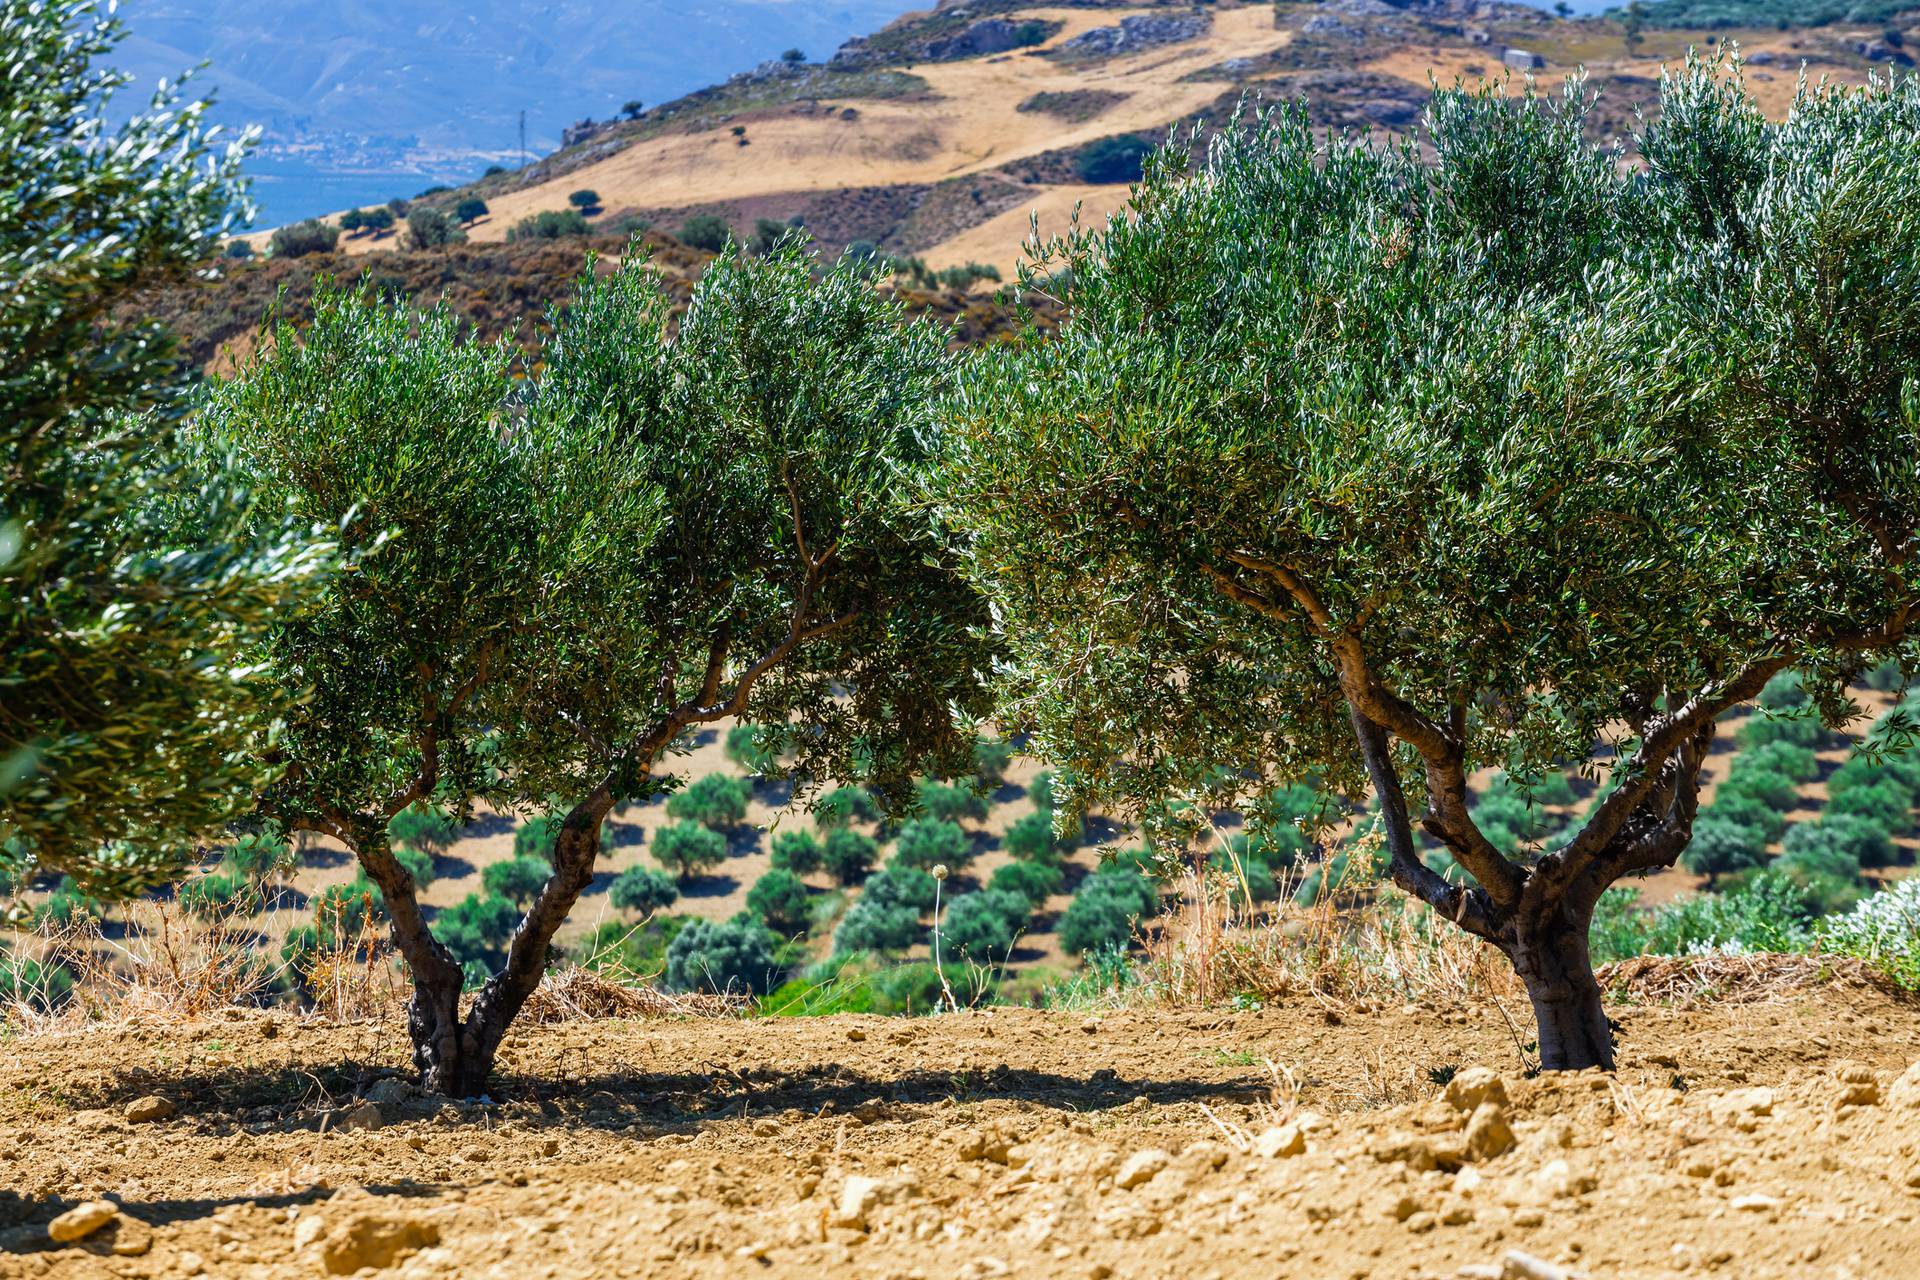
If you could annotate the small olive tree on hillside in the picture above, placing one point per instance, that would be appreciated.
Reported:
(672, 526)
(1391, 471)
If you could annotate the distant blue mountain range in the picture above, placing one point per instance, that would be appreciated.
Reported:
(359, 102)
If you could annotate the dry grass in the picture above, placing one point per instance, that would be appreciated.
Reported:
(1757, 978)
(575, 995)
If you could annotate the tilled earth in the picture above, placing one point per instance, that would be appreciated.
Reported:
(1749, 1140)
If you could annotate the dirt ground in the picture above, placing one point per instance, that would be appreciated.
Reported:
(1767, 1139)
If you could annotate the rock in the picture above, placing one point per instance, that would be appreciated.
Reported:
(987, 36)
(374, 1240)
(1280, 1141)
(766, 1127)
(858, 1196)
(1418, 1152)
(1402, 1206)
(1475, 1085)
(309, 1228)
(1488, 1133)
(1523, 59)
(82, 1221)
(1742, 1108)
(1859, 1086)
(150, 1108)
(362, 1118)
(392, 1092)
(131, 1238)
(1516, 1265)
(1140, 1167)
(1756, 1203)
(1142, 31)
(1905, 1092)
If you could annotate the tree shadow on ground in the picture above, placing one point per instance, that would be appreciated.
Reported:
(448, 867)
(627, 835)
(708, 886)
(1098, 830)
(488, 824)
(743, 841)
(321, 858)
(1007, 793)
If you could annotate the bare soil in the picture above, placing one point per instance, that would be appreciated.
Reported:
(1762, 1139)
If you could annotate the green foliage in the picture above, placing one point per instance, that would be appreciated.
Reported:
(429, 227)
(630, 951)
(927, 842)
(732, 955)
(135, 725)
(418, 864)
(1721, 14)
(1721, 848)
(471, 209)
(260, 856)
(1888, 806)
(1801, 730)
(796, 851)
(1031, 838)
(1766, 913)
(1837, 845)
(551, 224)
(689, 849)
(1883, 930)
(517, 879)
(900, 885)
(744, 749)
(536, 837)
(872, 925)
(991, 759)
(44, 986)
(849, 855)
(1739, 808)
(642, 889)
(1888, 677)
(1117, 159)
(424, 826)
(1105, 910)
(343, 912)
(718, 800)
(220, 893)
(1772, 789)
(1784, 692)
(66, 906)
(947, 802)
(476, 928)
(1034, 881)
(706, 231)
(298, 239)
(981, 926)
(586, 200)
(844, 805)
(1787, 759)
(780, 900)
(1898, 771)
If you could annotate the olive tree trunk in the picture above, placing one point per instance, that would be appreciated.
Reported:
(1550, 954)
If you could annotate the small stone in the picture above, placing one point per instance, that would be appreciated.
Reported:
(82, 1221)
(1090, 1026)
(856, 1034)
(766, 1127)
(1422, 1222)
(1906, 1090)
(150, 1108)
(363, 1118)
(549, 1146)
(1756, 1203)
(131, 1238)
(1280, 1141)
(858, 1195)
(1516, 1265)
(1140, 1167)
(1410, 1149)
(374, 1240)
(1402, 1206)
(190, 1263)
(309, 1228)
(1475, 1085)
(1488, 1133)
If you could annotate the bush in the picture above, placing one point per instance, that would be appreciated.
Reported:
(238, 250)
(418, 864)
(1031, 839)
(1883, 930)
(584, 199)
(1858, 771)
(1838, 844)
(345, 911)
(991, 759)
(1746, 810)
(537, 835)
(1277, 845)
(1722, 848)
(1887, 805)
(1507, 811)
(433, 228)
(732, 955)
(471, 209)
(1034, 881)
(706, 231)
(260, 856)
(1775, 790)
(981, 927)
(796, 851)
(1766, 913)
(518, 880)
(41, 986)
(217, 894)
(423, 827)
(872, 925)
(781, 901)
(843, 806)
(554, 224)
(1888, 677)
(718, 801)
(642, 889)
(1783, 692)
(630, 950)
(1248, 875)
(1787, 759)
(1800, 730)
(299, 239)
(899, 885)
(688, 848)
(927, 842)
(849, 855)
(475, 928)
(1116, 159)
(1103, 913)
(744, 749)
(950, 803)
(66, 906)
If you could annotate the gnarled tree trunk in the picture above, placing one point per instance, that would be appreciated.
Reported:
(1551, 956)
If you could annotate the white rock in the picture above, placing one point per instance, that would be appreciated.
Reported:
(1282, 1140)
(1475, 1085)
(1140, 1167)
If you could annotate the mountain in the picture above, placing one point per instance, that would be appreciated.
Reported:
(942, 134)
(360, 101)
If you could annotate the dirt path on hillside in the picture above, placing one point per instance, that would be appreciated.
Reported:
(1752, 1140)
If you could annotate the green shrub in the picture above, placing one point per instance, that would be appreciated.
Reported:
(1040, 791)
(1801, 730)
(423, 827)
(1902, 771)
(297, 240)
(706, 231)
(1775, 790)
(991, 759)
(1883, 930)
(718, 801)
(796, 851)
(1787, 759)
(344, 911)
(42, 986)
(518, 880)
(849, 855)
(1888, 805)
(1249, 875)
(1888, 677)
(1031, 839)
(418, 864)
(1506, 810)
(536, 836)
(554, 224)
(1783, 692)
(1103, 912)
(947, 802)
(1766, 913)
(586, 199)
(67, 906)
(781, 901)
(1349, 870)
(744, 749)
(1116, 159)
(928, 842)
(219, 893)
(260, 856)
(470, 209)
(475, 928)
(432, 228)
(873, 925)
(1838, 844)
(731, 955)
(981, 926)
(1743, 809)
(1276, 846)
(688, 849)
(899, 885)
(630, 950)
(843, 806)
(1722, 848)
(642, 889)
(1034, 881)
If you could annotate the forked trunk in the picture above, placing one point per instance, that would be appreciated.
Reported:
(1552, 959)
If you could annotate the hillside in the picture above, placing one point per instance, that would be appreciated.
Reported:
(944, 133)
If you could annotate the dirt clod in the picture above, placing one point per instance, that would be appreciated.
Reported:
(374, 1240)
(148, 1109)
(1140, 1167)
(82, 1221)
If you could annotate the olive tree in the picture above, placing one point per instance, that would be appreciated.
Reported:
(132, 727)
(670, 526)
(1353, 465)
